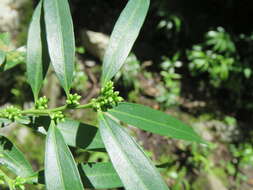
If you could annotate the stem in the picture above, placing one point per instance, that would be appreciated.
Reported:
(49, 111)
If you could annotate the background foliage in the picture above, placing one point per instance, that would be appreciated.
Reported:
(192, 59)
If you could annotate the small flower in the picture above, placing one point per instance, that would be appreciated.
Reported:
(12, 113)
(57, 116)
(41, 103)
(73, 100)
(107, 99)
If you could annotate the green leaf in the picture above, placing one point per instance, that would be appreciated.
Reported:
(94, 176)
(123, 37)
(75, 133)
(60, 168)
(5, 40)
(81, 135)
(132, 165)
(60, 38)
(154, 121)
(13, 58)
(2, 57)
(99, 175)
(37, 54)
(13, 158)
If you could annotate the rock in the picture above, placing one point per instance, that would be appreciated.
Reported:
(95, 43)
(9, 15)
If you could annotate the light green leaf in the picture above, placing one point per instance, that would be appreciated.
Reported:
(132, 165)
(154, 121)
(123, 37)
(37, 54)
(13, 58)
(2, 57)
(60, 38)
(5, 40)
(99, 175)
(61, 172)
(13, 158)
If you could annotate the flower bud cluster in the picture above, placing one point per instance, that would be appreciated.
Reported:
(73, 100)
(107, 99)
(57, 116)
(41, 103)
(12, 113)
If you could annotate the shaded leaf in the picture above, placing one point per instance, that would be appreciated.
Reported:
(94, 176)
(123, 37)
(154, 121)
(60, 168)
(99, 175)
(132, 165)
(75, 133)
(37, 54)
(13, 158)
(81, 135)
(60, 38)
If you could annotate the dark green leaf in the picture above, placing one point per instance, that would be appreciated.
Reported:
(123, 37)
(154, 121)
(75, 133)
(132, 165)
(37, 55)
(61, 172)
(13, 158)
(60, 38)
(99, 175)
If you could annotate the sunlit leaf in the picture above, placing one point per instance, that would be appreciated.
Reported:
(123, 37)
(132, 165)
(61, 172)
(60, 38)
(37, 54)
(13, 158)
(154, 121)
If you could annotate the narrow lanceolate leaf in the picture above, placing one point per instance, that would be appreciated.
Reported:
(154, 121)
(123, 37)
(60, 38)
(132, 165)
(99, 175)
(13, 158)
(60, 167)
(37, 54)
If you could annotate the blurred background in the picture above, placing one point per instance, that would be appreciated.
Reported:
(193, 60)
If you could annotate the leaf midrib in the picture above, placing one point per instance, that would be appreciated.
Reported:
(58, 18)
(57, 157)
(125, 34)
(154, 122)
(123, 153)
